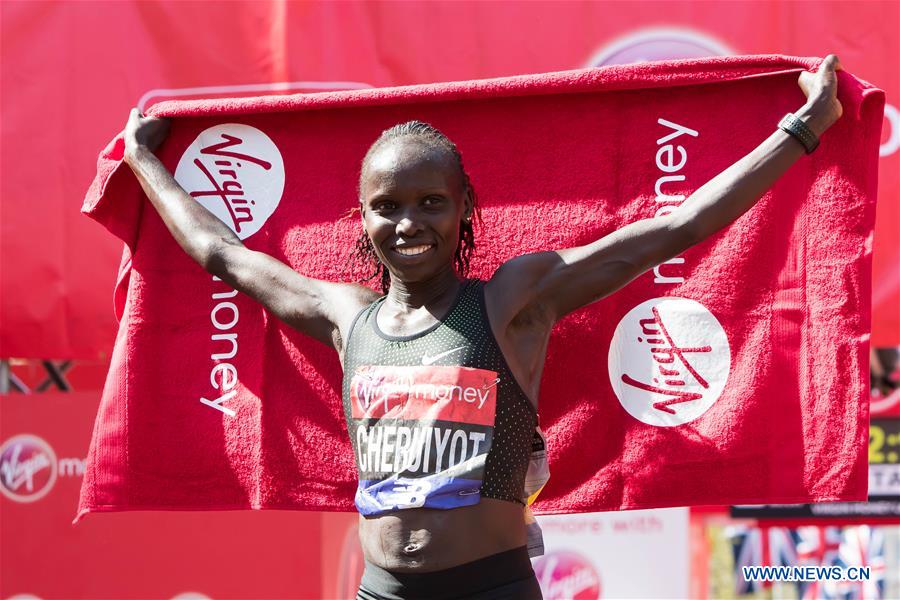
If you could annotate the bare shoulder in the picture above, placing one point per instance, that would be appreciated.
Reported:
(514, 290)
(520, 319)
(347, 300)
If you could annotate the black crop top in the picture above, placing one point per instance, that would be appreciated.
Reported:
(436, 419)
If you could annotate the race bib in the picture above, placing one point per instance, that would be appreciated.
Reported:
(421, 435)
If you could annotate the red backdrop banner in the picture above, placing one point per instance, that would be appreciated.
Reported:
(71, 71)
(43, 441)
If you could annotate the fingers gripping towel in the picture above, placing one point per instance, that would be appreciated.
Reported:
(734, 373)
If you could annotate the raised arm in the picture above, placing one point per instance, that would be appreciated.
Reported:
(320, 309)
(549, 285)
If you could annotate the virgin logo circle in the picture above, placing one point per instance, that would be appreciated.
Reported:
(27, 468)
(664, 43)
(237, 172)
(668, 361)
(567, 575)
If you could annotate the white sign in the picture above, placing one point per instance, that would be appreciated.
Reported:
(628, 554)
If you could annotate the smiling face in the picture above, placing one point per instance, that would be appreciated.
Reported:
(413, 198)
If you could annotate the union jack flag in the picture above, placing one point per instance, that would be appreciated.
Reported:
(755, 546)
(856, 546)
(817, 547)
(862, 546)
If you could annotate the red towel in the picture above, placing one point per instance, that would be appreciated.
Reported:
(734, 374)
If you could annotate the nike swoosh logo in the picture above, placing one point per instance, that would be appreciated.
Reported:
(430, 360)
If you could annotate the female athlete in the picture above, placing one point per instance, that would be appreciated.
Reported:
(443, 536)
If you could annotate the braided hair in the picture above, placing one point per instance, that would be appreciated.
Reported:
(364, 251)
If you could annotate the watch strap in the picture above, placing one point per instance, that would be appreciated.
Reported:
(800, 130)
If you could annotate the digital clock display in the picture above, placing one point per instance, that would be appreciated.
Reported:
(884, 457)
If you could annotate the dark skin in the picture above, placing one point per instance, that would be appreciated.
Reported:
(412, 201)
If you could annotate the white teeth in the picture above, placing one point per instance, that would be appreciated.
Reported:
(413, 250)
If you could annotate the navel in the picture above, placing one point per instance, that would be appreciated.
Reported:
(412, 548)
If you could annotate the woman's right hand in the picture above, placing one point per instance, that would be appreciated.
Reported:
(144, 132)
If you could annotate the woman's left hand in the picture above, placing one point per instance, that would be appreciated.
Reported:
(822, 107)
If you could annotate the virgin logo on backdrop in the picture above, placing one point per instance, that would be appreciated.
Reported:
(235, 171)
(668, 361)
(567, 575)
(659, 43)
(27, 468)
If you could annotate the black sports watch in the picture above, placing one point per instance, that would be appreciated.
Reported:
(800, 130)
